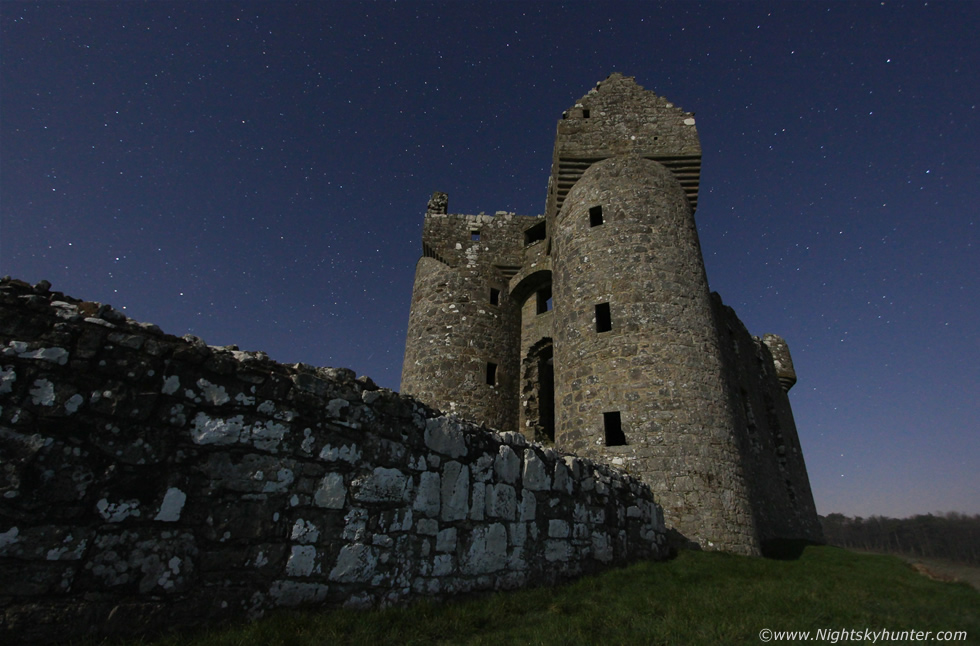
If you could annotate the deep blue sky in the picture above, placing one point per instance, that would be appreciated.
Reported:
(255, 173)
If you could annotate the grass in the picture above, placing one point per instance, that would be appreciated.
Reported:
(697, 598)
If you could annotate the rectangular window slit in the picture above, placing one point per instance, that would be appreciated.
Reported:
(595, 216)
(613, 427)
(491, 374)
(603, 320)
(494, 296)
(544, 300)
(475, 236)
(535, 233)
(586, 113)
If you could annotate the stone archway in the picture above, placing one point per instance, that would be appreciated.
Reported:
(538, 393)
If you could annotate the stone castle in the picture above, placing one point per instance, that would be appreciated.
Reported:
(151, 482)
(592, 329)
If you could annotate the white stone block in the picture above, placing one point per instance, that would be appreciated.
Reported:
(455, 491)
(331, 493)
(535, 476)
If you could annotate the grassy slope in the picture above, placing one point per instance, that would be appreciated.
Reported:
(698, 598)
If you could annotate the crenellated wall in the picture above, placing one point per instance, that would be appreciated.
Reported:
(152, 482)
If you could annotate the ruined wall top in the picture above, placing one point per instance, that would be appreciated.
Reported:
(620, 117)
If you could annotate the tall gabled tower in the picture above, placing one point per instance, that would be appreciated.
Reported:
(619, 117)
(639, 378)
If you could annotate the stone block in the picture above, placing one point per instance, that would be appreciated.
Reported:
(455, 491)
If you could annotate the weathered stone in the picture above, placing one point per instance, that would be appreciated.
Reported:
(455, 491)
(445, 436)
(501, 501)
(592, 329)
(487, 551)
(356, 563)
(331, 493)
(383, 485)
(302, 560)
(535, 475)
(507, 464)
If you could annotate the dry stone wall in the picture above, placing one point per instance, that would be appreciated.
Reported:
(151, 482)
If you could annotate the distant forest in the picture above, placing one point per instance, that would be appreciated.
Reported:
(950, 536)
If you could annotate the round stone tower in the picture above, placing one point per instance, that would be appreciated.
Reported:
(463, 329)
(638, 373)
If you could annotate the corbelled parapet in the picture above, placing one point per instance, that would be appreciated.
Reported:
(781, 358)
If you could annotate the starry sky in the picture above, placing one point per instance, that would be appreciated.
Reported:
(255, 173)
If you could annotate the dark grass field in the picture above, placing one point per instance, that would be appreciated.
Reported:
(696, 598)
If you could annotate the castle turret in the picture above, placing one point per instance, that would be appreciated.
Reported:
(781, 359)
(464, 329)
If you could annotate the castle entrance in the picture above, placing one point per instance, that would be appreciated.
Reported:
(538, 393)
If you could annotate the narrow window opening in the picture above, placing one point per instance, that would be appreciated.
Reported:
(547, 407)
(603, 320)
(595, 216)
(544, 300)
(475, 236)
(491, 374)
(586, 113)
(494, 296)
(613, 426)
(535, 233)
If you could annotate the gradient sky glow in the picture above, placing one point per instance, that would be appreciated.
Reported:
(255, 173)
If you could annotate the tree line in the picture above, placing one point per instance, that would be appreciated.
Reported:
(952, 535)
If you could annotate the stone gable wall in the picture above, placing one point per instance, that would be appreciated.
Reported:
(152, 482)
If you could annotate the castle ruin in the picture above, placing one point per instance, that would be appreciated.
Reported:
(592, 329)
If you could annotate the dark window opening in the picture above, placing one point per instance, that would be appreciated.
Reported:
(585, 113)
(538, 393)
(544, 300)
(475, 236)
(613, 426)
(547, 407)
(603, 320)
(491, 374)
(595, 216)
(494, 296)
(535, 233)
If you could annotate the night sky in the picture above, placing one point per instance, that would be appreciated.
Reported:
(256, 173)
